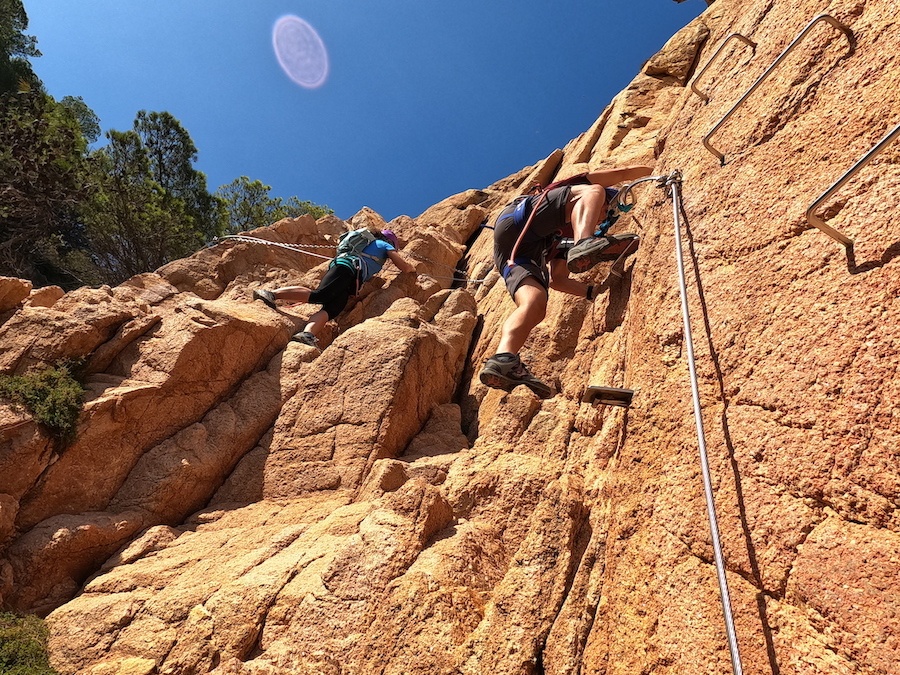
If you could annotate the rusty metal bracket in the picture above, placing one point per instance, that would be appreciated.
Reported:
(811, 216)
(733, 36)
(821, 17)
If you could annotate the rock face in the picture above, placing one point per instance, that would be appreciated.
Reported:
(235, 503)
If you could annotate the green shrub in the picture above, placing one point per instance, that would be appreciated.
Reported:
(23, 646)
(52, 395)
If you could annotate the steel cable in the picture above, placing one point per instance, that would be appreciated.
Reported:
(673, 182)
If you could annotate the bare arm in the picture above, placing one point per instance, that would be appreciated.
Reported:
(401, 264)
(561, 281)
(608, 177)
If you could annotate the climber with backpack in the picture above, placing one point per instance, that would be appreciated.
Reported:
(360, 255)
(526, 236)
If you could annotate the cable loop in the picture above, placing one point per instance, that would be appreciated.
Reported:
(301, 248)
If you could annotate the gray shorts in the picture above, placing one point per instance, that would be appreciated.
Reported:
(531, 257)
(519, 273)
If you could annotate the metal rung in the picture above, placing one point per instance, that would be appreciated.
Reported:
(821, 17)
(814, 220)
(614, 396)
(735, 36)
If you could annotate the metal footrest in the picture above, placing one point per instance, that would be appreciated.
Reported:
(616, 396)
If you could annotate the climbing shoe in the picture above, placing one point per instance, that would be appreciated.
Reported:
(306, 338)
(506, 372)
(588, 252)
(267, 297)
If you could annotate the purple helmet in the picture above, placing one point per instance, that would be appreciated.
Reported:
(391, 237)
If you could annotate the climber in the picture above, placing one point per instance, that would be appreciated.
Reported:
(361, 255)
(525, 251)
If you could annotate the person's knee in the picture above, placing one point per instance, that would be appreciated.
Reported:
(585, 201)
(531, 299)
(594, 193)
(537, 312)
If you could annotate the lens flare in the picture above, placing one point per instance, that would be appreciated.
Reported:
(300, 51)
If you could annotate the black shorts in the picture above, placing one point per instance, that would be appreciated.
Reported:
(335, 289)
(531, 256)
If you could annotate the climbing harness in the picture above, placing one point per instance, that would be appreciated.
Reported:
(619, 201)
(618, 204)
(515, 249)
(672, 183)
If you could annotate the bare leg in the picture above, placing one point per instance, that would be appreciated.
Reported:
(294, 294)
(531, 307)
(299, 295)
(505, 370)
(585, 209)
(317, 322)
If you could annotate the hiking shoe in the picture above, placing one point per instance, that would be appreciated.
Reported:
(507, 372)
(306, 338)
(267, 297)
(588, 252)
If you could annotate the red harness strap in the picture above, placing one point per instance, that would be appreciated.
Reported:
(574, 180)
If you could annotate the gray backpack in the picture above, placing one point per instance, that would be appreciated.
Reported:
(352, 243)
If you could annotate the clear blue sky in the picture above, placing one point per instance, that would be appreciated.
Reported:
(423, 99)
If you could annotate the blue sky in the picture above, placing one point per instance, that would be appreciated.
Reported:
(422, 100)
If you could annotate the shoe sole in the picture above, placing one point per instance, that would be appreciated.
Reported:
(499, 382)
(301, 342)
(542, 392)
(266, 302)
(611, 253)
(496, 381)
